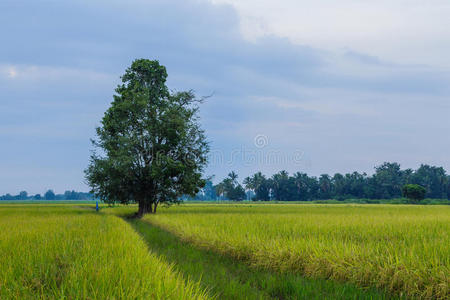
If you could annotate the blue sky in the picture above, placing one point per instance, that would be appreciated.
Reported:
(317, 87)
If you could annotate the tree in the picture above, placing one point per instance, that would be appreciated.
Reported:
(434, 179)
(233, 176)
(208, 191)
(355, 184)
(414, 192)
(220, 190)
(8, 197)
(283, 186)
(153, 149)
(49, 195)
(37, 197)
(71, 195)
(338, 182)
(237, 193)
(230, 188)
(389, 180)
(249, 183)
(259, 184)
(448, 187)
(325, 187)
(23, 195)
(306, 187)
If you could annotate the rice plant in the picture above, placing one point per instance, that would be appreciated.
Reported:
(64, 252)
(404, 250)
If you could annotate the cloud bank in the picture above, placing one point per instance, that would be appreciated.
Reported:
(343, 111)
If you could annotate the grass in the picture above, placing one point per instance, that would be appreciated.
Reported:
(228, 278)
(404, 250)
(65, 252)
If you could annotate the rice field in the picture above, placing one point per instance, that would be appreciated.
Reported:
(225, 277)
(67, 252)
(225, 251)
(404, 250)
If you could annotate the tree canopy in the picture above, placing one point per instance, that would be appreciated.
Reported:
(230, 188)
(414, 192)
(150, 146)
(386, 183)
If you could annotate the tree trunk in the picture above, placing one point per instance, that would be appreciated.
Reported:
(154, 207)
(144, 208)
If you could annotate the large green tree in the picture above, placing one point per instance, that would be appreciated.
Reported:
(152, 149)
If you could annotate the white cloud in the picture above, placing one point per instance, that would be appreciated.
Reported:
(327, 106)
(12, 72)
(405, 31)
(50, 73)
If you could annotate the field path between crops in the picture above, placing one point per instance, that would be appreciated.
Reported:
(224, 277)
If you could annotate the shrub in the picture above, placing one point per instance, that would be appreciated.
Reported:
(414, 192)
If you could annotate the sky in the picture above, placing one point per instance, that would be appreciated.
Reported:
(311, 86)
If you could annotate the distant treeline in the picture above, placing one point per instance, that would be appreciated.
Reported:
(49, 195)
(386, 183)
